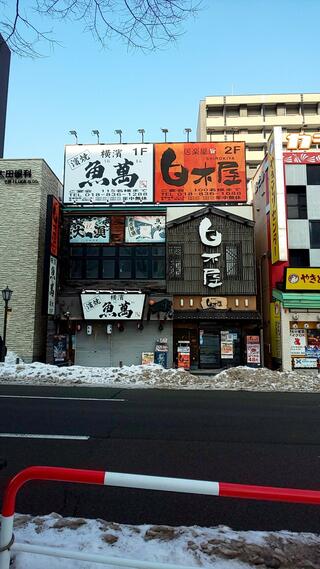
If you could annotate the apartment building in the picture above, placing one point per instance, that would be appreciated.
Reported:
(251, 118)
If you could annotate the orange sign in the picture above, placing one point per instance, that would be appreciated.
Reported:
(196, 172)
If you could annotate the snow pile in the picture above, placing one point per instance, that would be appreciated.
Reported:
(155, 376)
(219, 547)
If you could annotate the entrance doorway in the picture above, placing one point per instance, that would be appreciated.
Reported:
(209, 350)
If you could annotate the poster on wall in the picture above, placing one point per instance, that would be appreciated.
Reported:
(183, 353)
(146, 229)
(147, 358)
(226, 349)
(196, 172)
(89, 230)
(298, 341)
(112, 306)
(59, 349)
(108, 173)
(253, 350)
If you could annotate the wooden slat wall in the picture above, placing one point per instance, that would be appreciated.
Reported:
(193, 265)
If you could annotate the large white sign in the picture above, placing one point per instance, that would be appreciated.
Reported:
(112, 306)
(108, 173)
(52, 285)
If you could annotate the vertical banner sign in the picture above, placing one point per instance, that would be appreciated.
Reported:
(51, 255)
(52, 285)
(278, 222)
(108, 173)
(275, 330)
(200, 172)
(55, 221)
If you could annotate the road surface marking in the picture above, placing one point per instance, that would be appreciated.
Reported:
(38, 436)
(60, 398)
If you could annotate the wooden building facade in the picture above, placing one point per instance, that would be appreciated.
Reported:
(212, 278)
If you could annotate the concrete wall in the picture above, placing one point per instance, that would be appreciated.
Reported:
(22, 242)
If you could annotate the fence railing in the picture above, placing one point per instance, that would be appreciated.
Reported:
(217, 489)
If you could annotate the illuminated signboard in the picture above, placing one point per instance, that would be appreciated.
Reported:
(278, 223)
(200, 172)
(299, 279)
(108, 173)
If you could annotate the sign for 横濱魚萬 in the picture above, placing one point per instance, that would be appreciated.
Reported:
(108, 173)
(112, 306)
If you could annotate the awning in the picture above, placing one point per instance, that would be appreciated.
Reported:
(216, 314)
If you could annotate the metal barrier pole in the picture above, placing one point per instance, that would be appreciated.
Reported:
(221, 489)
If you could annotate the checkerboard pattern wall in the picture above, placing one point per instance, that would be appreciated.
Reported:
(304, 232)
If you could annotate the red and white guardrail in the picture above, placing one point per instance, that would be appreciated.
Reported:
(98, 477)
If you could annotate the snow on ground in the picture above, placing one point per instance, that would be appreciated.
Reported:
(217, 547)
(146, 376)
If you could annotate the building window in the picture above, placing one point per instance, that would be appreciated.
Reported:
(314, 234)
(254, 110)
(296, 202)
(232, 261)
(299, 258)
(214, 111)
(138, 262)
(175, 262)
(313, 175)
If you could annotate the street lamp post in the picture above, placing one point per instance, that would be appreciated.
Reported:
(6, 295)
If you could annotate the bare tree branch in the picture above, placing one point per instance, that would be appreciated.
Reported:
(140, 24)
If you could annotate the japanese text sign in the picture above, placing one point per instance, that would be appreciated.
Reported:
(108, 173)
(89, 230)
(210, 237)
(200, 172)
(303, 279)
(55, 220)
(112, 306)
(278, 224)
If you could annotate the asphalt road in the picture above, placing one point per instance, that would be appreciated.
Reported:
(251, 438)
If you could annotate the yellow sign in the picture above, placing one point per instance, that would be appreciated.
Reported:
(273, 202)
(303, 279)
(277, 201)
(275, 329)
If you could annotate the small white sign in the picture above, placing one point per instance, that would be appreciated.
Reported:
(112, 306)
(298, 341)
(52, 285)
(305, 363)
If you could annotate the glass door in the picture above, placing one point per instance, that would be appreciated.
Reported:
(209, 348)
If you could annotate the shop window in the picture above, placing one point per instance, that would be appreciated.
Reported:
(117, 262)
(296, 202)
(232, 261)
(92, 268)
(299, 258)
(314, 234)
(313, 174)
(175, 262)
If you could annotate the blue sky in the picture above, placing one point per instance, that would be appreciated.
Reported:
(231, 47)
